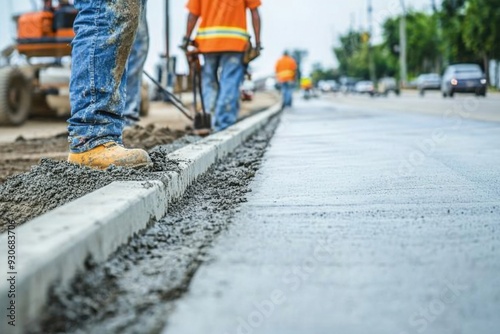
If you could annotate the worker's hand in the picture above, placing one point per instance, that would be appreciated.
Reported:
(185, 44)
(251, 53)
(255, 52)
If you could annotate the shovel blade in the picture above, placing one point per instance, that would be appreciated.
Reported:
(202, 124)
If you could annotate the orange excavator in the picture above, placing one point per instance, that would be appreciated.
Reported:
(39, 86)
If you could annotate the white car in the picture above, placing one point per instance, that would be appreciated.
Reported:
(365, 87)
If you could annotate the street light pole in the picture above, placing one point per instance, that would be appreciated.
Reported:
(370, 42)
(402, 45)
(167, 29)
(168, 72)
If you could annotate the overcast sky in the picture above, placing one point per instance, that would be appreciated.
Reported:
(309, 24)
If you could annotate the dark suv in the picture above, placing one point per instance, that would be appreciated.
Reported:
(463, 78)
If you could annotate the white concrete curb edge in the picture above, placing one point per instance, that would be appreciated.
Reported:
(52, 248)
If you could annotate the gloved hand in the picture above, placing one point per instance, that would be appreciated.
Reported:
(185, 44)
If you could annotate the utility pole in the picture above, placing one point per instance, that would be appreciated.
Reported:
(443, 57)
(10, 26)
(168, 63)
(370, 43)
(299, 55)
(167, 30)
(402, 46)
(433, 5)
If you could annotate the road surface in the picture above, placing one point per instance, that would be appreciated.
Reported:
(367, 216)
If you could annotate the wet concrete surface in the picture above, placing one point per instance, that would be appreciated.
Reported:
(52, 183)
(22, 154)
(134, 290)
(360, 221)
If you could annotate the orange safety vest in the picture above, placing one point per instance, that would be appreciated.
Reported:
(286, 68)
(223, 26)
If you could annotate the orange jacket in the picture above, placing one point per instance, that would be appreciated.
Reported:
(286, 69)
(223, 26)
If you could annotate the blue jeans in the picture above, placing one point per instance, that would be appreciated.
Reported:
(287, 92)
(105, 32)
(222, 95)
(135, 66)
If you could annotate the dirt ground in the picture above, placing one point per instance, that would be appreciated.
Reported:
(23, 147)
(36, 179)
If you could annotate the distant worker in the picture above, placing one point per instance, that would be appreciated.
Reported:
(222, 38)
(306, 85)
(105, 33)
(135, 68)
(286, 71)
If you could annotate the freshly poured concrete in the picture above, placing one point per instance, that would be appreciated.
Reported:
(52, 248)
(360, 222)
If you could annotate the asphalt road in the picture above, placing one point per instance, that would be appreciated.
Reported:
(367, 216)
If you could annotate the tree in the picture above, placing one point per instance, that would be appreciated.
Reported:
(423, 42)
(481, 29)
(350, 46)
(353, 57)
(452, 19)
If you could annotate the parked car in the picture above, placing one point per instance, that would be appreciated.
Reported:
(327, 86)
(387, 85)
(365, 87)
(348, 84)
(463, 78)
(428, 81)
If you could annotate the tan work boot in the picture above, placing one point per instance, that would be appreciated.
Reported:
(105, 155)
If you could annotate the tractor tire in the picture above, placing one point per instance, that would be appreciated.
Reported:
(15, 96)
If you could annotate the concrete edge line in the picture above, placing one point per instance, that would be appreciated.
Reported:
(52, 248)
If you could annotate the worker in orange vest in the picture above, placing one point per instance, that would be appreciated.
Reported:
(223, 39)
(286, 70)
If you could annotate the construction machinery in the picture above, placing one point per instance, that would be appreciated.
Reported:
(41, 87)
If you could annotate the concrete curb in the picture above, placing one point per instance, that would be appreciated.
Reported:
(52, 248)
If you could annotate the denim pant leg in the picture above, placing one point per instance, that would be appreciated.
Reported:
(210, 82)
(228, 101)
(105, 31)
(135, 67)
(287, 91)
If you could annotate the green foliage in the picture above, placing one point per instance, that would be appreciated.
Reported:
(424, 47)
(481, 29)
(459, 31)
(350, 46)
(453, 18)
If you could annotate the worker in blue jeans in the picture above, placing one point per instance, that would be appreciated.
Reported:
(222, 38)
(105, 31)
(286, 72)
(135, 68)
